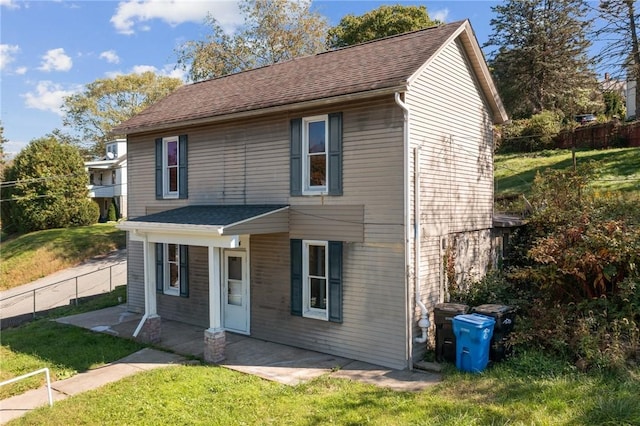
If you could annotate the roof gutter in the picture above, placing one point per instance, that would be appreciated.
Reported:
(119, 130)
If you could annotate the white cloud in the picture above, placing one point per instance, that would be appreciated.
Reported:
(169, 70)
(10, 4)
(21, 70)
(56, 60)
(48, 96)
(110, 56)
(440, 15)
(7, 55)
(173, 12)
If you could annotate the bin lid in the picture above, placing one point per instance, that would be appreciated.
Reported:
(452, 307)
(475, 320)
(492, 308)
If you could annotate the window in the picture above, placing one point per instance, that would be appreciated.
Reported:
(172, 269)
(91, 179)
(171, 167)
(316, 155)
(314, 289)
(113, 177)
(316, 279)
(314, 142)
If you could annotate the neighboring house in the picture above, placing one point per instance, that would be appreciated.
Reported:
(108, 178)
(281, 202)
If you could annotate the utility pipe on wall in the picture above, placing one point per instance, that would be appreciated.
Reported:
(423, 323)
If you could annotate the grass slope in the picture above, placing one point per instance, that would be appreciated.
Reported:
(619, 169)
(28, 257)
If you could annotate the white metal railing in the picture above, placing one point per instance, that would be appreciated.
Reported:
(33, 373)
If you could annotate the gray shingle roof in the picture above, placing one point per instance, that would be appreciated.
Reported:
(380, 64)
(210, 215)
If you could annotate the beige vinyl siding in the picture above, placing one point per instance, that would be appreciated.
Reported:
(373, 327)
(248, 162)
(452, 126)
(135, 276)
(336, 223)
(268, 224)
(195, 308)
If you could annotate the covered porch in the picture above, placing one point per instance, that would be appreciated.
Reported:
(222, 233)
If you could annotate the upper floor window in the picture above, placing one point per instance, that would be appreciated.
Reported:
(316, 155)
(171, 167)
(314, 142)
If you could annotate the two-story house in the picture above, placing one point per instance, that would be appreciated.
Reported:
(108, 178)
(313, 202)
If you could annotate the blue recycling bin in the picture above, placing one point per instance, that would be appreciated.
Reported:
(473, 334)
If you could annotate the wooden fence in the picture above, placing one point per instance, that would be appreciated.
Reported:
(600, 136)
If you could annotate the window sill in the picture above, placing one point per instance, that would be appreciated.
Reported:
(316, 315)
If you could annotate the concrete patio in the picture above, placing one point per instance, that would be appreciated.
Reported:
(272, 361)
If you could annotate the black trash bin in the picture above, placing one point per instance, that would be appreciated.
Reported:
(505, 317)
(443, 314)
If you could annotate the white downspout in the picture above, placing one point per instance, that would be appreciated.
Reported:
(423, 323)
(147, 280)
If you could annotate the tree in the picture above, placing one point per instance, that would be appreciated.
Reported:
(614, 104)
(620, 33)
(378, 23)
(46, 187)
(541, 60)
(107, 102)
(273, 31)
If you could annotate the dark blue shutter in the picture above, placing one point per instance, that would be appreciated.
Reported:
(295, 157)
(159, 268)
(159, 189)
(296, 277)
(335, 281)
(182, 168)
(335, 154)
(184, 271)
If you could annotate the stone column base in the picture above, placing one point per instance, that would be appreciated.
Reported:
(214, 345)
(151, 329)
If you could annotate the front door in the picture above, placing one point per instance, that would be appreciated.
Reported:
(236, 292)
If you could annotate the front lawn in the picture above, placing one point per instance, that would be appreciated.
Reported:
(531, 389)
(66, 350)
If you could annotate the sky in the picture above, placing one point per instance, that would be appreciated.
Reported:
(50, 49)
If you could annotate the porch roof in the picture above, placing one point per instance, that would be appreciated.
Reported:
(214, 219)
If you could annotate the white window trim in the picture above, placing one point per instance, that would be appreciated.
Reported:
(306, 188)
(307, 310)
(165, 175)
(168, 290)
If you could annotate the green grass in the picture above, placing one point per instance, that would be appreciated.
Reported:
(531, 389)
(619, 171)
(66, 350)
(28, 257)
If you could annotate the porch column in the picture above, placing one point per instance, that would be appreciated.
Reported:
(214, 336)
(149, 330)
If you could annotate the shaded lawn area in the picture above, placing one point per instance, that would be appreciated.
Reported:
(531, 389)
(28, 257)
(619, 170)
